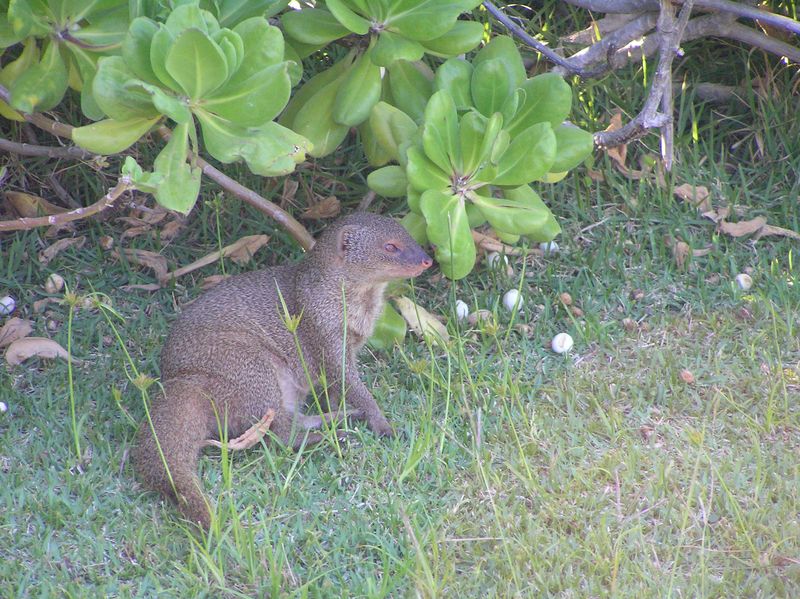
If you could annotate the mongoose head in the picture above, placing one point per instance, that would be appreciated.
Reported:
(373, 248)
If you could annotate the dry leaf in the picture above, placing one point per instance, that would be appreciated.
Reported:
(240, 252)
(28, 347)
(697, 196)
(687, 376)
(289, 191)
(478, 316)
(132, 232)
(596, 175)
(770, 230)
(702, 252)
(40, 305)
(27, 205)
(149, 259)
(680, 250)
(420, 320)
(743, 227)
(211, 281)
(490, 244)
(718, 215)
(169, 231)
(53, 250)
(325, 208)
(14, 329)
(154, 215)
(142, 287)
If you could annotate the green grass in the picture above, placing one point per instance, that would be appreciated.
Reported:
(517, 472)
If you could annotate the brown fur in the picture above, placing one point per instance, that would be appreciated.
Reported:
(229, 357)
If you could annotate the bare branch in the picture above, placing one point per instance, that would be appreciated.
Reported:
(23, 224)
(748, 35)
(46, 151)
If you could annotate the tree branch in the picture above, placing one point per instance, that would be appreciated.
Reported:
(47, 151)
(748, 35)
(123, 184)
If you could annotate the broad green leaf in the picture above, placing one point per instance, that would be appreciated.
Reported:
(376, 155)
(27, 19)
(463, 37)
(474, 216)
(86, 63)
(136, 48)
(42, 86)
(426, 19)
(390, 329)
(313, 26)
(514, 216)
(504, 49)
(494, 130)
(548, 98)
(471, 131)
(180, 183)
(269, 150)
(167, 104)
(529, 157)
(190, 16)
(110, 136)
(455, 76)
(440, 131)
(491, 85)
(526, 195)
(411, 87)
(160, 46)
(106, 29)
(232, 12)
(359, 92)
(26, 59)
(416, 226)
(254, 101)
(263, 47)
(392, 128)
(448, 228)
(412, 197)
(423, 174)
(573, 145)
(112, 95)
(295, 64)
(232, 47)
(389, 181)
(354, 22)
(392, 46)
(197, 64)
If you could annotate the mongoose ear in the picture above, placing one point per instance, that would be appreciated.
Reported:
(344, 239)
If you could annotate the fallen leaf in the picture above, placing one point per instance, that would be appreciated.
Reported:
(40, 305)
(211, 281)
(680, 251)
(169, 231)
(154, 215)
(28, 347)
(702, 252)
(687, 376)
(596, 175)
(698, 196)
(743, 227)
(478, 316)
(770, 230)
(490, 244)
(718, 215)
(421, 321)
(46, 255)
(240, 252)
(152, 260)
(142, 287)
(325, 208)
(27, 205)
(14, 329)
(132, 232)
(289, 191)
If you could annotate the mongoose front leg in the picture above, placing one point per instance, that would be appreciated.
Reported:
(362, 400)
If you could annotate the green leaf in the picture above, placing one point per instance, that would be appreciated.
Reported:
(504, 49)
(411, 87)
(462, 38)
(471, 131)
(573, 145)
(389, 181)
(313, 26)
(423, 174)
(189, 15)
(455, 76)
(348, 18)
(111, 136)
(269, 150)
(448, 228)
(548, 98)
(263, 47)
(376, 155)
(440, 131)
(390, 329)
(42, 86)
(314, 121)
(416, 226)
(359, 92)
(102, 29)
(254, 101)
(197, 64)
(160, 46)
(180, 182)
(232, 12)
(526, 195)
(169, 105)
(24, 21)
(391, 47)
(529, 157)
(232, 47)
(515, 216)
(491, 85)
(136, 48)
(114, 98)
(392, 128)
(424, 19)
(86, 63)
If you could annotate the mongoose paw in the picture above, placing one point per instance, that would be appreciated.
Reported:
(381, 426)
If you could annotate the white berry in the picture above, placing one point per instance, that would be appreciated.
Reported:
(549, 248)
(562, 343)
(7, 305)
(54, 283)
(744, 281)
(3, 407)
(493, 260)
(512, 300)
(462, 310)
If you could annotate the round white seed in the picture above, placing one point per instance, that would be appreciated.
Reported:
(562, 343)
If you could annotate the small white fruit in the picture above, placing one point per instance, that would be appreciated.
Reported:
(512, 300)
(54, 283)
(493, 260)
(7, 305)
(462, 310)
(562, 343)
(3, 407)
(549, 248)
(744, 281)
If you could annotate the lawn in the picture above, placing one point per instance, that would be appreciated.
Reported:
(659, 458)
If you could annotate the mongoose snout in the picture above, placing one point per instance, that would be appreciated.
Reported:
(230, 357)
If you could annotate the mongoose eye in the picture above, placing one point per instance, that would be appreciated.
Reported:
(391, 248)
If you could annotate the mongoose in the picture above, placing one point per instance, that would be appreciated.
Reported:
(230, 359)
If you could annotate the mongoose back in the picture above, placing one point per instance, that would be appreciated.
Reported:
(230, 358)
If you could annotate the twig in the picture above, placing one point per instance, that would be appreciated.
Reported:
(748, 35)
(671, 33)
(548, 53)
(286, 220)
(23, 149)
(365, 202)
(123, 184)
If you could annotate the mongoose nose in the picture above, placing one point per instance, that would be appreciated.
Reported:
(426, 262)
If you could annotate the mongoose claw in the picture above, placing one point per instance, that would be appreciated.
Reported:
(380, 426)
